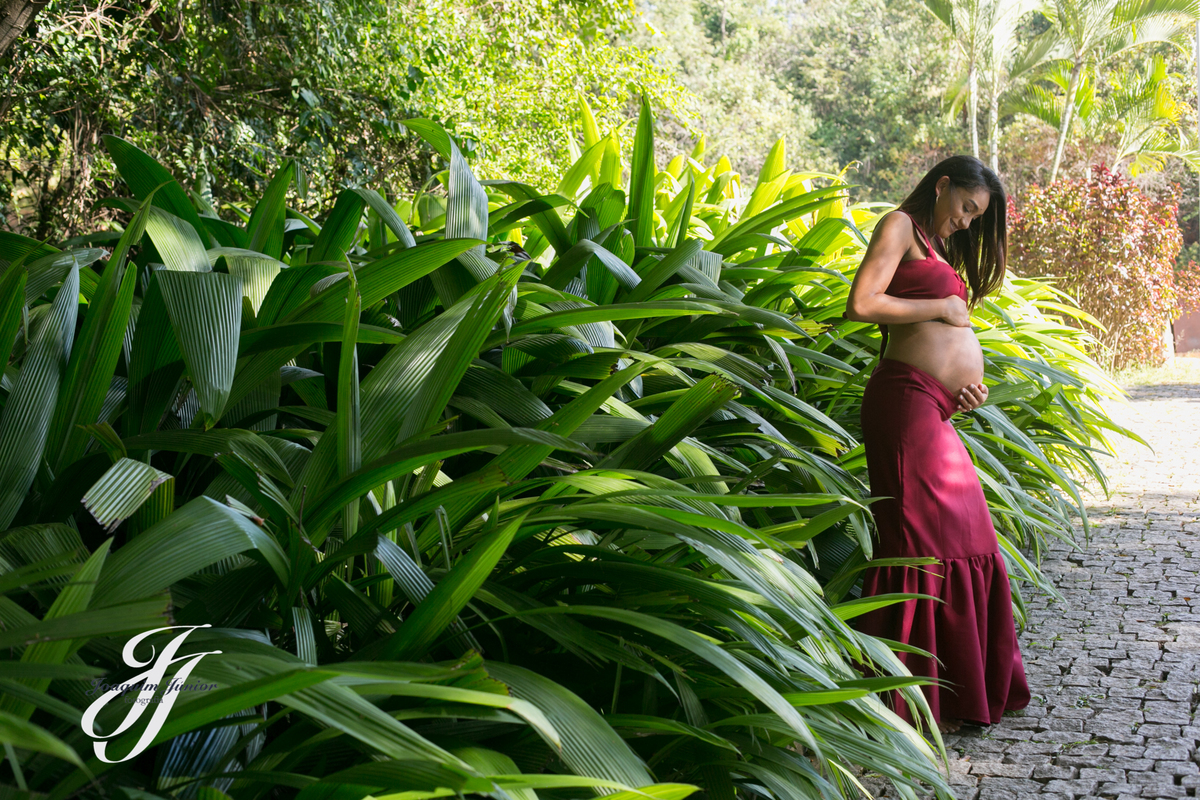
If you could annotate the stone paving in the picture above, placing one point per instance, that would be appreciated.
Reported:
(1114, 668)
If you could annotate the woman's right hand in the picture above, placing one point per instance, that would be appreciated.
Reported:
(956, 313)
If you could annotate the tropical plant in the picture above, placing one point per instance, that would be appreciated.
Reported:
(983, 30)
(998, 51)
(1134, 113)
(528, 495)
(1088, 33)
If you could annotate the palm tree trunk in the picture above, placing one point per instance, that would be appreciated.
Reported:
(994, 127)
(973, 103)
(1068, 117)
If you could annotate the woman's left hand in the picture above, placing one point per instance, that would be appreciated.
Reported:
(972, 397)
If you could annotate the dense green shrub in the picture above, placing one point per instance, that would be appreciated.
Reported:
(500, 493)
(1112, 249)
(222, 91)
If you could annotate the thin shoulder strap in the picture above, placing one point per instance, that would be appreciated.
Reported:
(928, 247)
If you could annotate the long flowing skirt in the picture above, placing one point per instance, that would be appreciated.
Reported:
(937, 508)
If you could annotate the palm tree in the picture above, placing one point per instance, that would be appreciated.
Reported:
(1006, 76)
(1138, 115)
(1090, 32)
(984, 31)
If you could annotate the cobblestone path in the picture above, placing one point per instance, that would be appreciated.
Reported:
(1115, 667)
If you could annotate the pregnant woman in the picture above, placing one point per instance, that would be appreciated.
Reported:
(931, 367)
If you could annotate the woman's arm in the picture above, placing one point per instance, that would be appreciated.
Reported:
(868, 302)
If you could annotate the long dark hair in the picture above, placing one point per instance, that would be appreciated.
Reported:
(980, 251)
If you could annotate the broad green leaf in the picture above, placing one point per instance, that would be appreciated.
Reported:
(407, 458)
(705, 649)
(864, 605)
(27, 414)
(375, 282)
(641, 725)
(156, 363)
(266, 222)
(388, 215)
(340, 231)
(569, 264)
(589, 746)
(198, 534)
(256, 271)
(128, 617)
(15, 247)
(73, 599)
(205, 310)
(177, 242)
(451, 594)
(17, 731)
(678, 421)
(641, 179)
(289, 334)
(246, 444)
(12, 306)
(146, 177)
(121, 491)
(93, 361)
(461, 350)
(346, 420)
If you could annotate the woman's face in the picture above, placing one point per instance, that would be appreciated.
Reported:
(955, 209)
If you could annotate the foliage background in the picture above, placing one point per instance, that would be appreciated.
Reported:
(223, 91)
(1112, 247)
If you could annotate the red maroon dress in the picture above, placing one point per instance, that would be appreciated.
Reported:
(936, 508)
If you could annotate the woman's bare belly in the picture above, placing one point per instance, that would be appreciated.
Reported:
(948, 353)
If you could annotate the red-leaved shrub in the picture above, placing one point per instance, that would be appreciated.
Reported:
(1187, 287)
(1111, 247)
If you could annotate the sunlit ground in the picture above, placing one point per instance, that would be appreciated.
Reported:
(1184, 368)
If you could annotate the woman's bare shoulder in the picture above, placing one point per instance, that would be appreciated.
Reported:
(894, 234)
(896, 225)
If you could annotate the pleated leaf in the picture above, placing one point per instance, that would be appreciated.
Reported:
(91, 370)
(589, 745)
(15, 247)
(74, 598)
(266, 221)
(461, 349)
(375, 282)
(121, 491)
(451, 594)
(256, 271)
(340, 230)
(466, 204)
(146, 177)
(347, 418)
(388, 216)
(678, 421)
(129, 617)
(12, 307)
(198, 534)
(49, 271)
(177, 242)
(17, 731)
(205, 310)
(156, 362)
(571, 262)
(26, 421)
(642, 178)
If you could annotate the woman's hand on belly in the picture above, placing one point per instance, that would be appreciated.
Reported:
(972, 397)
